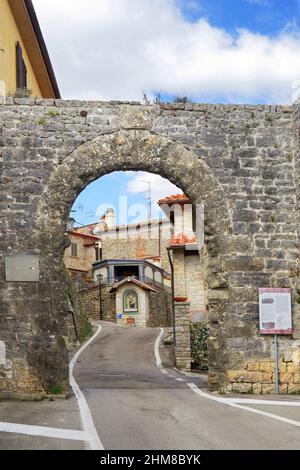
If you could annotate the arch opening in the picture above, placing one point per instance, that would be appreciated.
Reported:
(131, 151)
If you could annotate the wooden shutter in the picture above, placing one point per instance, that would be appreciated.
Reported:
(21, 68)
(74, 251)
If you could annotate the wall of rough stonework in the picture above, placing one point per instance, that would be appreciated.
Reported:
(241, 161)
(183, 336)
(160, 309)
(138, 248)
(91, 302)
(189, 282)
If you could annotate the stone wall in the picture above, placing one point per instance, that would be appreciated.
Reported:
(241, 161)
(91, 302)
(160, 309)
(138, 248)
(189, 282)
(183, 336)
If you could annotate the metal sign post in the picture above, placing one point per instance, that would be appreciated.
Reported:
(275, 318)
(276, 363)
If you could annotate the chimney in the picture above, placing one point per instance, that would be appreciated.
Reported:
(110, 219)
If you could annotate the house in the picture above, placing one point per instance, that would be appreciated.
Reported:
(80, 255)
(145, 240)
(24, 60)
(188, 262)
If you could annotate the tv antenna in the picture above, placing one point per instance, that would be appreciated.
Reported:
(148, 198)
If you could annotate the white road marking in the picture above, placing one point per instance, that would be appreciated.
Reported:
(180, 380)
(229, 402)
(248, 401)
(85, 413)
(164, 371)
(156, 348)
(42, 431)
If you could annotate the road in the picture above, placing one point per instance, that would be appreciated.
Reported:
(136, 405)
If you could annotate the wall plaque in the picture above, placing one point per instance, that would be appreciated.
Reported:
(275, 311)
(22, 268)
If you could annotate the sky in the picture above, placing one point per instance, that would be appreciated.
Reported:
(215, 51)
(129, 198)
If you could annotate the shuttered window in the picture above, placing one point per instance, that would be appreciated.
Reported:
(74, 251)
(21, 68)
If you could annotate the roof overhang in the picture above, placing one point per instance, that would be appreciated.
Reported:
(32, 37)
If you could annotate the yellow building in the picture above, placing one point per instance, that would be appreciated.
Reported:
(24, 59)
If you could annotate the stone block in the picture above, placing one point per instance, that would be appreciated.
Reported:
(266, 366)
(257, 389)
(293, 389)
(242, 388)
(297, 378)
(293, 368)
(286, 377)
(253, 366)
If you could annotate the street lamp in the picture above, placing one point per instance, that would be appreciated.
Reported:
(100, 279)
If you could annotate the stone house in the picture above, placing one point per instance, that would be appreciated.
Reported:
(146, 240)
(24, 59)
(188, 265)
(79, 256)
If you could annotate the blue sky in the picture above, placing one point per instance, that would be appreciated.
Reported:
(262, 16)
(216, 51)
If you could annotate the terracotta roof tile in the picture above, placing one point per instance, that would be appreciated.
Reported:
(182, 240)
(180, 198)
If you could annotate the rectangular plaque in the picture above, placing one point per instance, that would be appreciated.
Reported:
(275, 312)
(22, 268)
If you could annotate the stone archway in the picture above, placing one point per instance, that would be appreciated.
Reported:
(129, 150)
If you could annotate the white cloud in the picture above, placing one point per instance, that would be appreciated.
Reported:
(160, 187)
(115, 49)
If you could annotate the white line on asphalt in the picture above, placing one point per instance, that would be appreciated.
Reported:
(85, 413)
(229, 402)
(156, 348)
(43, 431)
(248, 401)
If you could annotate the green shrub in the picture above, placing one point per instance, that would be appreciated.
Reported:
(199, 346)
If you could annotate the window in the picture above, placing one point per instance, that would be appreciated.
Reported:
(98, 253)
(131, 302)
(74, 251)
(21, 68)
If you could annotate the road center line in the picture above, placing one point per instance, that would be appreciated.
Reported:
(85, 413)
(231, 403)
(156, 348)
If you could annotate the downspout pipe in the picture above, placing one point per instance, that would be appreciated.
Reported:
(169, 250)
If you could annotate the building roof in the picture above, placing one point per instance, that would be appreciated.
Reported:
(175, 199)
(128, 262)
(132, 280)
(30, 31)
(183, 240)
(150, 223)
(84, 235)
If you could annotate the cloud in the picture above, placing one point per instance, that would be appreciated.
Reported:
(116, 49)
(160, 187)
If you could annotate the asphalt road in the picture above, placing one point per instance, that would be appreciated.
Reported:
(136, 405)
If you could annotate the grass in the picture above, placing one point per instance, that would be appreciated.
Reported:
(56, 390)
(43, 121)
(53, 113)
